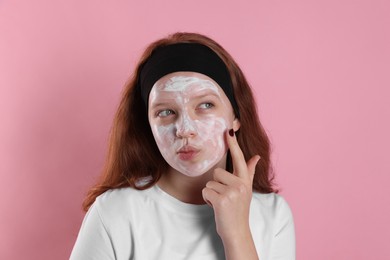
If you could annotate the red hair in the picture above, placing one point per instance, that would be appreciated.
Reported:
(132, 151)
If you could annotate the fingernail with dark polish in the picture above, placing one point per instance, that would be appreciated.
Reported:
(231, 132)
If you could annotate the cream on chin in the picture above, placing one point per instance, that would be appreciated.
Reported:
(198, 136)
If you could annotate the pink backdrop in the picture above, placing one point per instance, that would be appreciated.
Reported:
(320, 70)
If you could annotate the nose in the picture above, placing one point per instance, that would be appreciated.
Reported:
(185, 127)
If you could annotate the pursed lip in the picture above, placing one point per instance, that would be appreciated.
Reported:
(187, 152)
(187, 149)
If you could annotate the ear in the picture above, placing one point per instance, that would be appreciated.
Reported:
(236, 124)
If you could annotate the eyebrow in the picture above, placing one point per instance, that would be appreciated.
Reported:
(207, 94)
(161, 104)
(200, 96)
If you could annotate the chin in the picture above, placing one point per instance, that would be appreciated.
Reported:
(196, 172)
(199, 168)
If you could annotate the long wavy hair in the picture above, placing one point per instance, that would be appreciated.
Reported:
(132, 151)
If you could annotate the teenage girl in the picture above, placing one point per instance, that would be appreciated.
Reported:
(187, 174)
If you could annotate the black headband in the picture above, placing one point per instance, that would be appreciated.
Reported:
(185, 57)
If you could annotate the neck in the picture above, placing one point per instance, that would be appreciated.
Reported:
(184, 188)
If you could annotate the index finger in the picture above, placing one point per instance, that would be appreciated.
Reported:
(239, 164)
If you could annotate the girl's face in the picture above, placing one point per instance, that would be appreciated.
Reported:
(189, 114)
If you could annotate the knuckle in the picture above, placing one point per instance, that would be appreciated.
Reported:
(241, 188)
(224, 202)
(231, 194)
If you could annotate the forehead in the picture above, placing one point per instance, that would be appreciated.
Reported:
(186, 82)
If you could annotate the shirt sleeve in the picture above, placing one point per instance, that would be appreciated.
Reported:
(93, 241)
(283, 245)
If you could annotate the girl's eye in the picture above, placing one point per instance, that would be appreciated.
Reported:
(165, 113)
(206, 106)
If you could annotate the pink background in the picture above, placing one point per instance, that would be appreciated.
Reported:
(320, 70)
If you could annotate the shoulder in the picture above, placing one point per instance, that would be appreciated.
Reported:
(115, 203)
(272, 225)
(119, 195)
(268, 199)
(274, 210)
(273, 203)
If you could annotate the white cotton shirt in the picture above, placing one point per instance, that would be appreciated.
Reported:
(151, 224)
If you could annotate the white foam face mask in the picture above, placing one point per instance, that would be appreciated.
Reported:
(188, 116)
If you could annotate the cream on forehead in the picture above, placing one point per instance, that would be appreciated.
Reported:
(202, 131)
(181, 83)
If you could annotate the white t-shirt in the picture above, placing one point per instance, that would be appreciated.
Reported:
(151, 224)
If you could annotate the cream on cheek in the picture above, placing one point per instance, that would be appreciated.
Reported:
(210, 139)
(211, 136)
(208, 130)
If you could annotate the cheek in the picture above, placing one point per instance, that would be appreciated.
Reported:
(212, 131)
(163, 134)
